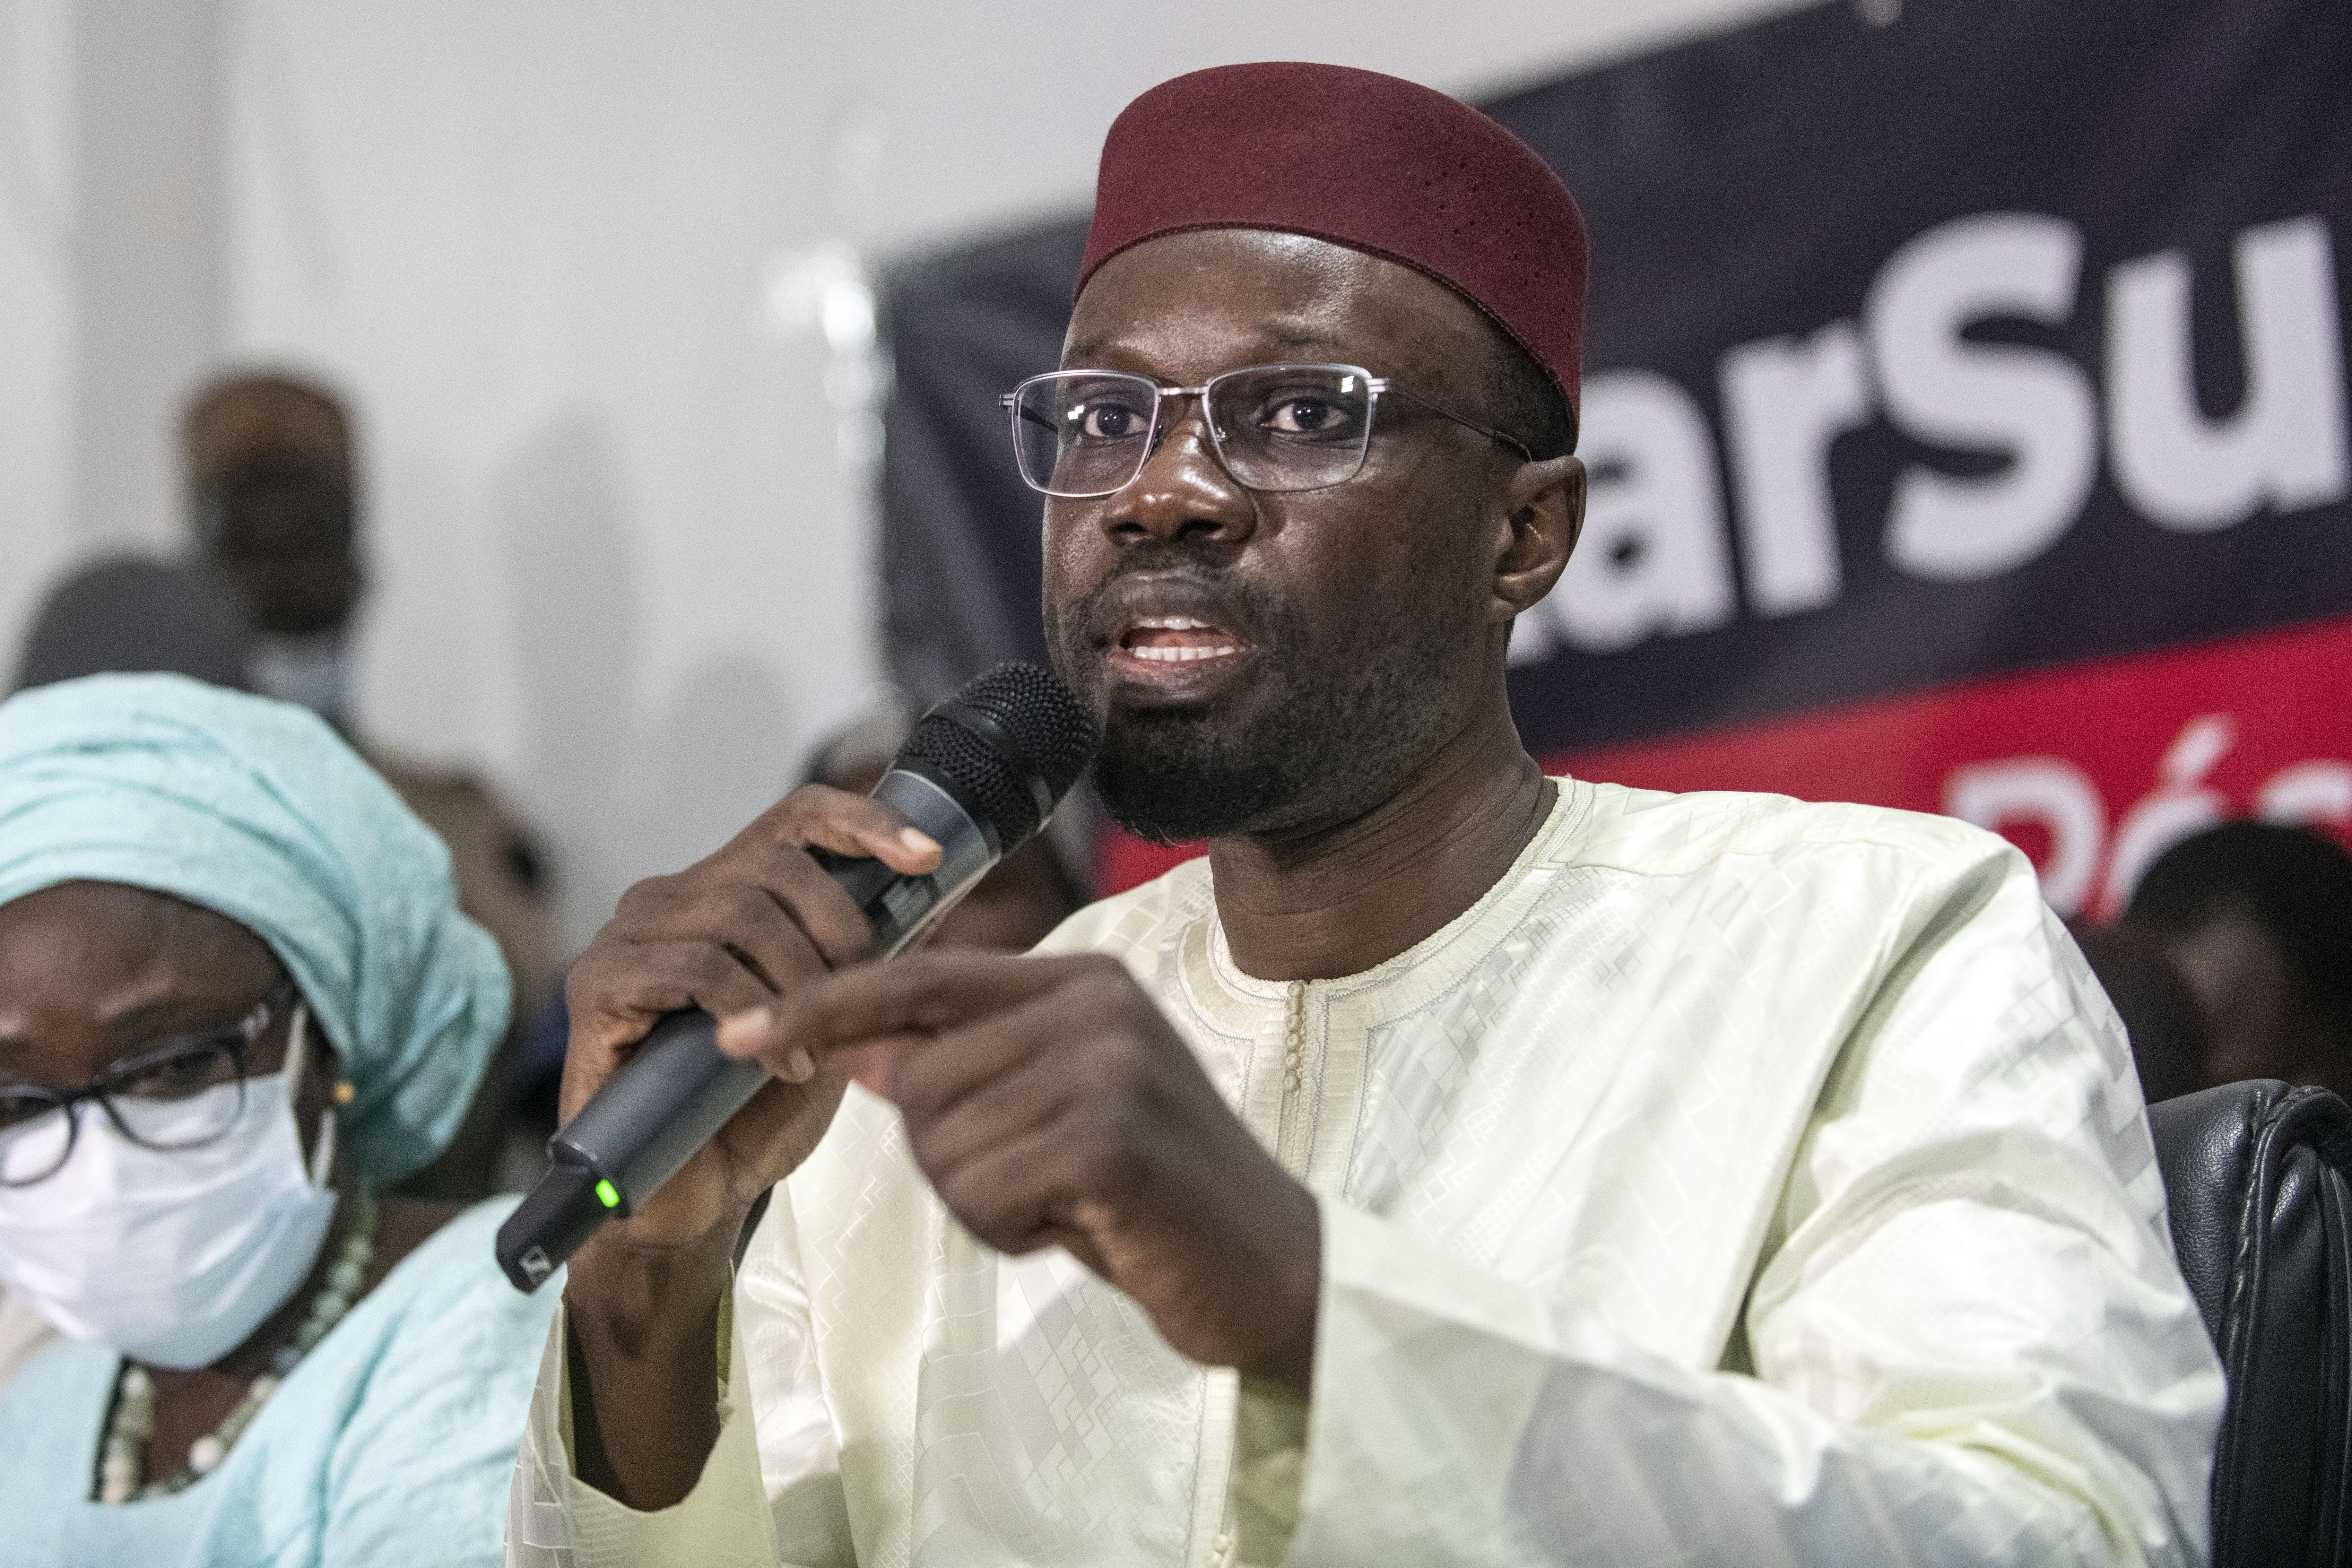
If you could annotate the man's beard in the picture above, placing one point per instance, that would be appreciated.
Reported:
(1346, 726)
(1167, 776)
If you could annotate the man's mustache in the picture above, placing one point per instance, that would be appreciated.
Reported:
(1174, 579)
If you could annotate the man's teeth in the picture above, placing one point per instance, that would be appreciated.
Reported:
(1172, 655)
(1177, 655)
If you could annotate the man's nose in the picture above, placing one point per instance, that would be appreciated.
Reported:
(1184, 491)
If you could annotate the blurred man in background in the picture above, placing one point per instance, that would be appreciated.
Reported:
(272, 473)
(2170, 1042)
(2257, 919)
(132, 616)
(272, 494)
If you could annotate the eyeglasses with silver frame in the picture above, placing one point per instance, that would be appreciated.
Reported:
(1079, 433)
(146, 1096)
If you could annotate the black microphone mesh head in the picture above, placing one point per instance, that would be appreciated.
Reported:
(1050, 738)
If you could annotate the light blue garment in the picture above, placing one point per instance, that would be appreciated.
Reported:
(257, 810)
(391, 1444)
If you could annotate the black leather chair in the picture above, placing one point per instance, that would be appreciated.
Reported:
(2255, 1177)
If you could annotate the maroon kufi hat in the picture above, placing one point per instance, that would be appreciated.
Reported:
(1366, 161)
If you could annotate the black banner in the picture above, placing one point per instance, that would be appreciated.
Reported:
(1891, 349)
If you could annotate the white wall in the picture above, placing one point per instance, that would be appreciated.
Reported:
(148, 265)
(36, 272)
(618, 561)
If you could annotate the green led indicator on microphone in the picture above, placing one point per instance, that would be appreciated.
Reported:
(609, 1194)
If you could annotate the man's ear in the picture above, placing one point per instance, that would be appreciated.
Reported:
(1546, 515)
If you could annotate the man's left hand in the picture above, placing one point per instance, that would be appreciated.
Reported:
(1050, 1103)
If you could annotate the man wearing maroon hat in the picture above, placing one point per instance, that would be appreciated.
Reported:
(1457, 1165)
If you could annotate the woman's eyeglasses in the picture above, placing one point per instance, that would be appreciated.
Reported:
(157, 1099)
(1081, 433)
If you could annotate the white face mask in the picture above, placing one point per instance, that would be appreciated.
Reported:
(309, 670)
(174, 1257)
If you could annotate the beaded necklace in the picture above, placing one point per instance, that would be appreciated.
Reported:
(125, 1457)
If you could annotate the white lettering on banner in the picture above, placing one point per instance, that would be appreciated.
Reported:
(2317, 791)
(2284, 446)
(1784, 401)
(2035, 405)
(2059, 796)
(2050, 792)
(1653, 558)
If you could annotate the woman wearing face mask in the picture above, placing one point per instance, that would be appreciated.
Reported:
(237, 1002)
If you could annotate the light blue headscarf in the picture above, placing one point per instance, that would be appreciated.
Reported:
(259, 811)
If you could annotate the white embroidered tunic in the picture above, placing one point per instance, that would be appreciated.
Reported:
(1738, 1182)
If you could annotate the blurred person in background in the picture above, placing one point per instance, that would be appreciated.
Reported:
(272, 475)
(238, 1005)
(2170, 1041)
(129, 615)
(2258, 919)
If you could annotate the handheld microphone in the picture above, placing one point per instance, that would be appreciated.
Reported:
(981, 773)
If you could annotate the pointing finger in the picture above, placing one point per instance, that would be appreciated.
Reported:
(920, 994)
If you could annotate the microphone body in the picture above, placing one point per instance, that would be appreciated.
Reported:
(979, 789)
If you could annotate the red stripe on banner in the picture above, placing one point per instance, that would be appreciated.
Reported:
(2094, 769)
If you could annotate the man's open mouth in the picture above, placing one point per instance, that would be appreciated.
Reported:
(1177, 639)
